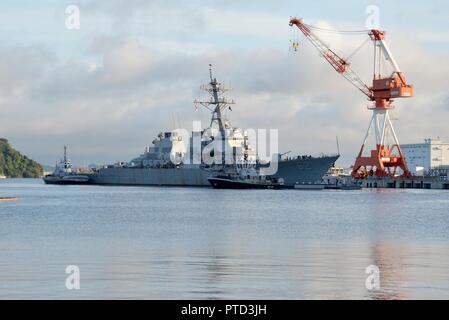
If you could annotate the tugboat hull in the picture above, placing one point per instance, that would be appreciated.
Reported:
(67, 180)
(223, 183)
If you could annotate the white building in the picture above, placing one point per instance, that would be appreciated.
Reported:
(422, 157)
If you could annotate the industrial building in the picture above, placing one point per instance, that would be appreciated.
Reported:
(424, 157)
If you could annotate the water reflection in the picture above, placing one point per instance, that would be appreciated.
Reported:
(390, 260)
(159, 243)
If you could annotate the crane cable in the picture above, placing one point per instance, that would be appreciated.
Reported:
(358, 49)
(337, 31)
(294, 42)
(353, 32)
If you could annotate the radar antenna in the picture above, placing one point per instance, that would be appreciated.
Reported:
(216, 103)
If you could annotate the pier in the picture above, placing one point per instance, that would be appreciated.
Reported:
(407, 183)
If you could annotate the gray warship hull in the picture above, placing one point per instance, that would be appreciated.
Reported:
(183, 176)
(304, 170)
(293, 171)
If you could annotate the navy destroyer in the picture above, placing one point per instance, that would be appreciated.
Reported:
(176, 159)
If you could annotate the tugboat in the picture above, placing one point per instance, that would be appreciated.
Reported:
(63, 173)
(245, 182)
(244, 175)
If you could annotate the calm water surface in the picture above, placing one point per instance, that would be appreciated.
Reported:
(200, 243)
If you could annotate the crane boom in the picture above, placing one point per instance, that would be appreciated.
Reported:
(339, 64)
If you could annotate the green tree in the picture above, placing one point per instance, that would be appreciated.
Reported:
(15, 165)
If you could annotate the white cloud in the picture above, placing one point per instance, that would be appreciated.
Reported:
(109, 99)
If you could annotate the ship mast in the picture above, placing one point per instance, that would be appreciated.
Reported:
(216, 115)
(216, 104)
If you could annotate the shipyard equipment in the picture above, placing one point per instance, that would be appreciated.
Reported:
(387, 157)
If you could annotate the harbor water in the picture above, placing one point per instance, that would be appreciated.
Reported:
(201, 243)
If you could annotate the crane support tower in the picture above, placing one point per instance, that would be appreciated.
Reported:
(387, 157)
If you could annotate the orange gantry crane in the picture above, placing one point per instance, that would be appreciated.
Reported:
(387, 157)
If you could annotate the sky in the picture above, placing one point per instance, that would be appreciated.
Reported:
(134, 67)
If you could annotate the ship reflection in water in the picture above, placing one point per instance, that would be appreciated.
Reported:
(180, 243)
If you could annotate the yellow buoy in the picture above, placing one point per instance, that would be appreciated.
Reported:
(8, 198)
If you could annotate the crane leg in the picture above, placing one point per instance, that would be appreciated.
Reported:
(383, 160)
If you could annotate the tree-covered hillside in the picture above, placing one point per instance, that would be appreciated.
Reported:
(15, 165)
